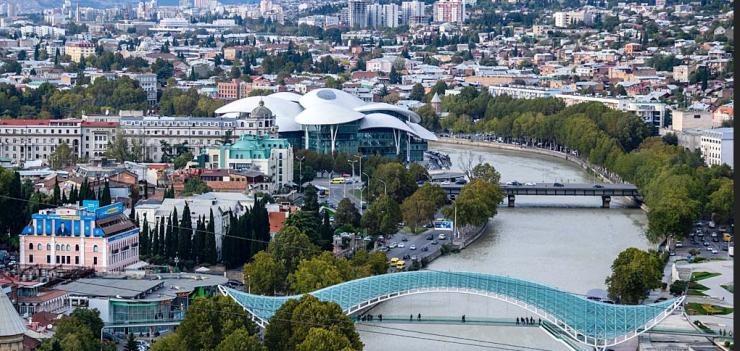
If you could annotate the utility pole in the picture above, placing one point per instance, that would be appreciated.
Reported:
(300, 172)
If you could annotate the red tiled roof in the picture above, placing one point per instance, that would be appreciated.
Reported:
(22, 122)
(99, 124)
(43, 296)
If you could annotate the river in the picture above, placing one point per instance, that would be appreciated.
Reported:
(564, 242)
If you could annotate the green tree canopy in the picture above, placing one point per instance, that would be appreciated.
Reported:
(264, 274)
(634, 273)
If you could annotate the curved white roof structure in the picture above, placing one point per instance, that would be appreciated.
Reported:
(422, 132)
(332, 96)
(327, 114)
(284, 111)
(328, 106)
(382, 106)
(382, 120)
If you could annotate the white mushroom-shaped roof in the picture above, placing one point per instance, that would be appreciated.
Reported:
(328, 95)
(286, 95)
(382, 120)
(326, 114)
(284, 111)
(422, 132)
(382, 106)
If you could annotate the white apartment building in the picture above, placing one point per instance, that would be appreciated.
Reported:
(691, 119)
(564, 19)
(379, 16)
(148, 82)
(31, 139)
(357, 13)
(717, 146)
(449, 11)
(411, 9)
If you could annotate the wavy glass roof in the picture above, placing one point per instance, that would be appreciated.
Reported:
(590, 322)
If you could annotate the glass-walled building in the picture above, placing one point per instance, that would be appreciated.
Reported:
(329, 120)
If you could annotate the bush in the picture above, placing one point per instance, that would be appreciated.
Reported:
(678, 287)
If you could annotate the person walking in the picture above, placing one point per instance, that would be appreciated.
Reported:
(517, 320)
(380, 317)
(418, 317)
(463, 318)
(411, 317)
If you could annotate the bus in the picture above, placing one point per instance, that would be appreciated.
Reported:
(337, 180)
(322, 191)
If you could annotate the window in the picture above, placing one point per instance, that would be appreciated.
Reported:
(77, 259)
(95, 248)
(77, 247)
(68, 248)
(57, 259)
(57, 246)
(39, 247)
(95, 261)
(30, 258)
(48, 247)
(68, 261)
(30, 246)
(48, 258)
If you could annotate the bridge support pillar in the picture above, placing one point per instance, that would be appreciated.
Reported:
(511, 200)
(605, 201)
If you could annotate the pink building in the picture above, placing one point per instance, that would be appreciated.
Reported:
(102, 238)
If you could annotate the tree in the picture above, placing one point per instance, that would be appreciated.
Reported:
(347, 213)
(421, 206)
(476, 203)
(722, 201)
(209, 250)
(130, 343)
(264, 275)
(382, 216)
(78, 331)
(105, 197)
(417, 92)
(118, 149)
(185, 239)
(394, 179)
(310, 199)
(634, 273)
(290, 246)
(169, 342)
(293, 321)
(394, 77)
(319, 272)
(182, 160)
(195, 185)
(321, 339)
(62, 157)
(486, 172)
(208, 323)
(241, 340)
(163, 69)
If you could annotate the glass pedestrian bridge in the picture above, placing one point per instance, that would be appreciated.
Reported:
(590, 322)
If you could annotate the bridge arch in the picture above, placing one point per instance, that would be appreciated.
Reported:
(592, 323)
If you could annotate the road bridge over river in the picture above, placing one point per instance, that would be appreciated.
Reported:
(606, 191)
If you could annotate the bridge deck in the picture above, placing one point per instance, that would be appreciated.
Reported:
(566, 189)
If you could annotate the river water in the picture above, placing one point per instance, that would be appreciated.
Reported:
(564, 242)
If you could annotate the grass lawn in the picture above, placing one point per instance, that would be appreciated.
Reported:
(729, 287)
(706, 309)
(703, 275)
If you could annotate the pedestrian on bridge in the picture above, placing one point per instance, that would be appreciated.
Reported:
(380, 317)
(517, 320)
(531, 320)
(463, 318)
(411, 317)
(418, 317)
(539, 321)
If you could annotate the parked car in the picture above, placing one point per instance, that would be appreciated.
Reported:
(401, 245)
(412, 247)
(599, 186)
(404, 239)
(442, 236)
(426, 248)
(530, 184)
(435, 242)
(559, 185)
(393, 245)
(430, 237)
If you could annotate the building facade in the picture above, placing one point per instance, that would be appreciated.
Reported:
(271, 156)
(357, 13)
(717, 146)
(449, 11)
(101, 238)
(79, 50)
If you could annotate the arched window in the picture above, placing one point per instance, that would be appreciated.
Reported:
(57, 247)
(68, 248)
(48, 247)
(77, 247)
(30, 246)
(95, 248)
(39, 247)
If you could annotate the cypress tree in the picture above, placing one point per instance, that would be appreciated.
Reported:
(161, 236)
(73, 194)
(172, 233)
(144, 238)
(105, 198)
(64, 198)
(56, 196)
(198, 249)
(154, 243)
(209, 247)
(185, 239)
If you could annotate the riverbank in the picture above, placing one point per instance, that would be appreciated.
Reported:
(601, 172)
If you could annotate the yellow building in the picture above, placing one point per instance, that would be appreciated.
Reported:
(78, 50)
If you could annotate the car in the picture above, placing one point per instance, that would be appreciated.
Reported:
(559, 185)
(709, 248)
(672, 253)
(413, 258)
(435, 242)
(383, 249)
(401, 224)
(598, 186)
(429, 225)
(530, 184)
(412, 247)
(445, 182)
(426, 248)
(406, 256)
(442, 236)
(430, 237)
(706, 243)
(394, 260)
(401, 245)
(404, 239)
(393, 245)
(461, 182)
(679, 244)
(715, 239)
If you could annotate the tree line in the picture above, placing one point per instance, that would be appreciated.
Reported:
(676, 185)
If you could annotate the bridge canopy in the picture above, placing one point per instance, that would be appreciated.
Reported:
(591, 322)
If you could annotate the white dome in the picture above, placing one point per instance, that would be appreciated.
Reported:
(382, 120)
(330, 96)
(284, 112)
(382, 106)
(327, 113)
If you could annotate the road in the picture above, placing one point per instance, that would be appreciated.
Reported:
(419, 241)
